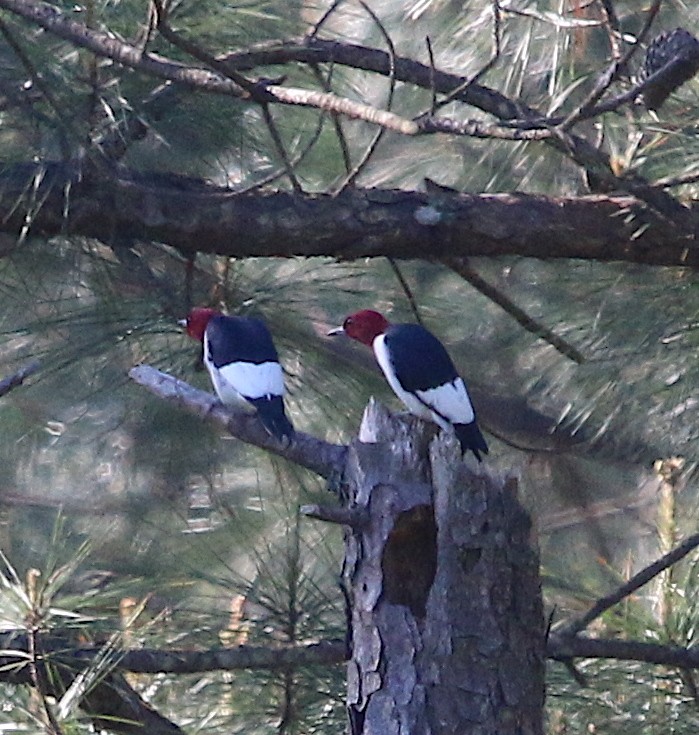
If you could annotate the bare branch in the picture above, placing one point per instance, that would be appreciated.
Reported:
(333, 103)
(371, 148)
(316, 455)
(281, 656)
(469, 274)
(637, 581)
(562, 647)
(352, 517)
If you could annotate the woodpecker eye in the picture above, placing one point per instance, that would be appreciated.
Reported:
(348, 321)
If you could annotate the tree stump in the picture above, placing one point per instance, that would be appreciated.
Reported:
(447, 631)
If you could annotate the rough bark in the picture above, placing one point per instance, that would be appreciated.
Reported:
(200, 218)
(446, 613)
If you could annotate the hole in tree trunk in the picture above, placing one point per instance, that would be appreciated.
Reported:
(409, 561)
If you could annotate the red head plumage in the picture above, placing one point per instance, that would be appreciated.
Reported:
(364, 326)
(196, 321)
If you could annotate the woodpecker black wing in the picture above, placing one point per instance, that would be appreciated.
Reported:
(244, 365)
(421, 373)
(419, 359)
(239, 339)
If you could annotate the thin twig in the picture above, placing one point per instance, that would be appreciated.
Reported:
(494, 56)
(325, 82)
(371, 148)
(466, 271)
(608, 77)
(198, 53)
(281, 150)
(637, 581)
(406, 290)
(323, 19)
(433, 89)
(295, 161)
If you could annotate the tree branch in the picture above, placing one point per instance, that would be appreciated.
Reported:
(321, 457)
(562, 647)
(195, 217)
(637, 581)
(591, 159)
(280, 656)
(327, 652)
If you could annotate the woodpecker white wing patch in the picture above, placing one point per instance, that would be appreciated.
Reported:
(446, 404)
(450, 401)
(238, 382)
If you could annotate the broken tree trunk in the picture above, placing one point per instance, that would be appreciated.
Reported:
(447, 632)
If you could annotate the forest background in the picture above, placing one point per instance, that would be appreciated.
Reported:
(583, 365)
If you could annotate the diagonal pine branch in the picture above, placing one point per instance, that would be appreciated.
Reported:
(469, 274)
(637, 581)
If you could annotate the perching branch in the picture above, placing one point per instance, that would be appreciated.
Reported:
(319, 456)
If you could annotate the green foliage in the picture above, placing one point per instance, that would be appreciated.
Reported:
(189, 521)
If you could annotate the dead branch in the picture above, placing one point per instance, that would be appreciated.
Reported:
(638, 580)
(321, 457)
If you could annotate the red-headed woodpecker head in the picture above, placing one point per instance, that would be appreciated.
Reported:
(196, 321)
(364, 326)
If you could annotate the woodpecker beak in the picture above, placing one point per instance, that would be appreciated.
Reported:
(182, 322)
(336, 331)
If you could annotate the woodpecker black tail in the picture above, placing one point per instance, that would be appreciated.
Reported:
(470, 437)
(271, 412)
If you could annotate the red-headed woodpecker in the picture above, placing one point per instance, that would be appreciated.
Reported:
(243, 364)
(421, 373)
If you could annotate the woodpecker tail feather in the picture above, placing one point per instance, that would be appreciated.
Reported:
(271, 412)
(470, 437)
